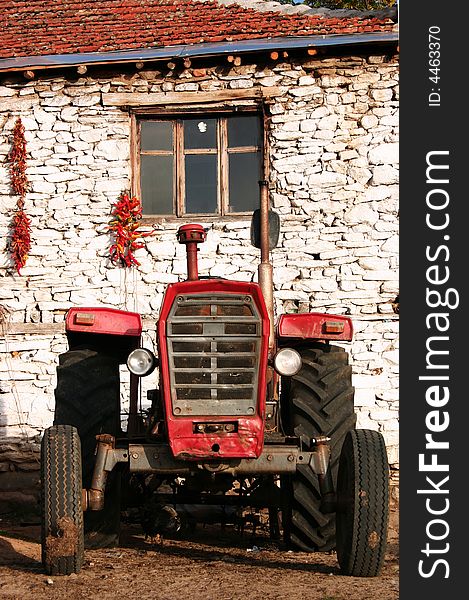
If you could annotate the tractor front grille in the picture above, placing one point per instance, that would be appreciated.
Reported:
(213, 351)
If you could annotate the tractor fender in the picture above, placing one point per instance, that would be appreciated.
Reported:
(315, 326)
(100, 320)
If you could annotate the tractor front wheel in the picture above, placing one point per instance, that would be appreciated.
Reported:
(362, 504)
(62, 539)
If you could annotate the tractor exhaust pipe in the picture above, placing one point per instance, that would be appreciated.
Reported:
(191, 235)
(265, 270)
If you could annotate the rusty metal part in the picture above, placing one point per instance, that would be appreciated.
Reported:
(265, 275)
(265, 271)
(321, 439)
(84, 500)
(191, 235)
(157, 458)
(98, 482)
(95, 499)
(264, 214)
(106, 459)
(322, 454)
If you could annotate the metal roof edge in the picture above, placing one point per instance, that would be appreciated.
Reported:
(194, 50)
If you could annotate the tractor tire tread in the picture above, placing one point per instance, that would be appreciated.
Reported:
(320, 402)
(362, 549)
(62, 541)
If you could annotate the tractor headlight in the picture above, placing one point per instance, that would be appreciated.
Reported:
(287, 362)
(141, 362)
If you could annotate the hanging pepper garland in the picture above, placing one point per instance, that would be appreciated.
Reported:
(127, 213)
(20, 241)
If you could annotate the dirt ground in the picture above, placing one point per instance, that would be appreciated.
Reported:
(211, 564)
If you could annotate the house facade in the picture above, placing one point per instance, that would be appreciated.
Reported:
(187, 113)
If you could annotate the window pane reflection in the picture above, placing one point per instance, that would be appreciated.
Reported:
(243, 131)
(157, 184)
(201, 183)
(244, 175)
(157, 135)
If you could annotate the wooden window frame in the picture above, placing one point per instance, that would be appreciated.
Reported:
(176, 115)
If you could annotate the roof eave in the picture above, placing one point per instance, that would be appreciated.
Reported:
(201, 50)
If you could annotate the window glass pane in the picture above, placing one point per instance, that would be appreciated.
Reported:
(244, 131)
(244, 175)
(201, 183)
(157, 135)
(157, 185)
(200, 133)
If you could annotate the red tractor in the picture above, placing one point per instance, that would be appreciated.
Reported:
(246, 414)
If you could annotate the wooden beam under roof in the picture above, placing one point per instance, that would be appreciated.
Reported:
(154, 99)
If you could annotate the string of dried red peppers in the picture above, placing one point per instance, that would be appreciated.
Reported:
(127, 213)
(20, 240)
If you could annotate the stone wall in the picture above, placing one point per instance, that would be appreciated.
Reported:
(333, 144)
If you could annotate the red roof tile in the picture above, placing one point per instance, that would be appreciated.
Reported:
(38, 27)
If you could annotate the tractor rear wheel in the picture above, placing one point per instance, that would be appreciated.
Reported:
(87, 396)
(317, 401)
(362, 503)
(61, 503)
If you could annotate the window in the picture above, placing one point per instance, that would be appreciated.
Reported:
(199, 165)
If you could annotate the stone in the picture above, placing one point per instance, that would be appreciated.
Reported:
(16, 104)
(306, 80)
(161, 249)
(6, 91)
(391, 245)
(113, 186)
(382, 95)
(239, 84)
(310, 90)
(69, 114)
(387, 154)
(369, 121)
(60, 176)
(348, 154)
(56, 100)
(328, 122)
(93, 135)
(327, 179)
(112, 149)
(361, 213)
(348, 98)
(319, 113)
(43, 187)
(373, 263)
(381, 275)
(87, 100)
(285, 274)
(385, 175)
(333, 81)
(360, 174)
(376, 192)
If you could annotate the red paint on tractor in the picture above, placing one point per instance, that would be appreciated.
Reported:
(248, 440)
(316, 326)
(103, 320)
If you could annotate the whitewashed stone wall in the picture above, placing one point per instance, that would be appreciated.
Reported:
(334, 173)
